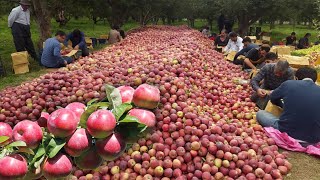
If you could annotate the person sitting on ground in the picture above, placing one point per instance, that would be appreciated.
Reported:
(114, 35)
(122, 33)
(213, 36)
(291, 40)
(234, 43)
(270, 57)
(247, 46)
(300, 118)
(304, 42)
(222, 40)
(78, 42)
(51, 56)
(255, 57)
(206, 31)
(272, 75)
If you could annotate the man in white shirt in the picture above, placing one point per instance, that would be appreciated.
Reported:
(19, 22)
(234, 44)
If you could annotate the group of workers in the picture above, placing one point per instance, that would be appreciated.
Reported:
(19, 22)
(275, 81)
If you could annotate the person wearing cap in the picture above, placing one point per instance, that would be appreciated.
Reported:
(300, 118)
(291, 40)
(255, 57)
(19, 22)
(247, 46)
(272, 76)
(78, 41)
(234, 43)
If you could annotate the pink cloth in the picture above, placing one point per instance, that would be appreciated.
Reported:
(284, 141)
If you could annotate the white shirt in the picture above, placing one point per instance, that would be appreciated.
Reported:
(234, 46)
(19, 16)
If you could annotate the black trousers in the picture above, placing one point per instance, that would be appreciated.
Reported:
(22, 39)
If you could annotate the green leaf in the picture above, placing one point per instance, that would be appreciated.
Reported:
(103, 105)
(26, 150)
(92, 101)
(54, 146)
(40, 153)
(120, 110)
(85, 115)
(3, 153)
(3, 139)
(17, 144)
(129, 119)
(131, 131)
(38, 163)
(114, 96)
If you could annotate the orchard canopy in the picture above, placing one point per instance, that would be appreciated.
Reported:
(117, 12)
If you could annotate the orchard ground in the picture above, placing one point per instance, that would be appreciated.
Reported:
(304, 166)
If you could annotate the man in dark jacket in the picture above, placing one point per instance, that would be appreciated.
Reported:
(301, 115)
(247, 46)
(78, 41)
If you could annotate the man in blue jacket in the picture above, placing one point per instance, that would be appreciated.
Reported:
(51, 56)
(78, 41)
(301, 115)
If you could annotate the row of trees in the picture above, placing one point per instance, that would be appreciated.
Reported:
(118, 12)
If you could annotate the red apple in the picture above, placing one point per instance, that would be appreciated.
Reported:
(111, 148)
(77, 108)
(42, 121)
(5, 130)
(59, 166)
(62, 123)
(29, 132)
(79, 142)
(126, 93)
(146, 96)
(145, 116)
(101, 123)
(88, 160)
(13, 166)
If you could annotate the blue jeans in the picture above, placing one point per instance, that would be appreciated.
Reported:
(267, 119)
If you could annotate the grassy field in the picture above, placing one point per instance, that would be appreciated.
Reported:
(304, 167)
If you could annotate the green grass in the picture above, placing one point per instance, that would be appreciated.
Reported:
(7, 46)
(304, 167)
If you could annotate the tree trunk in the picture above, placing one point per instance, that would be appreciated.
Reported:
(43, 19)
(243, 24)
(210, 22)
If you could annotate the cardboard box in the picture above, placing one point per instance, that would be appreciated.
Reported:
(104, 36)
(296, 61)
(317, 61)
(21, 68)
(231, 55)
(253, 38)
(253, 73)
(273, 109)
(281, 50)
(266, 38)
(19, 58)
